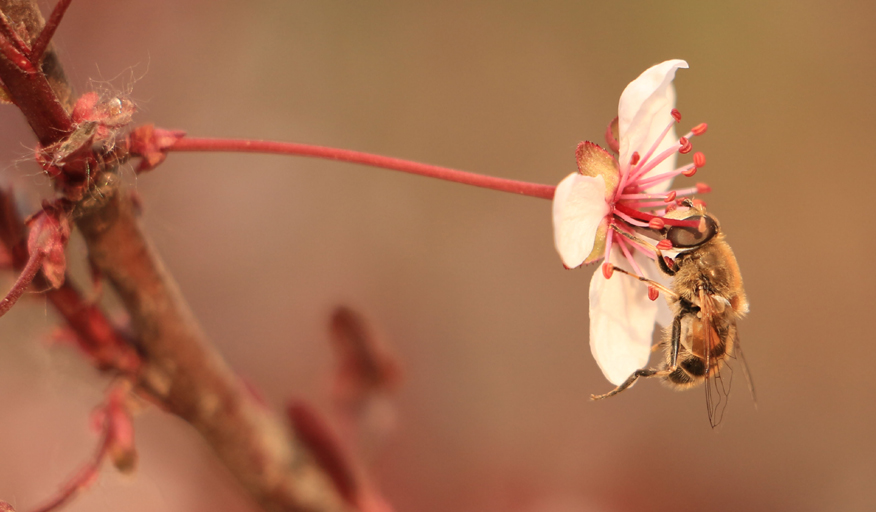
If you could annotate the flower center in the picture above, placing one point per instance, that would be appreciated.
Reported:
(634, 207)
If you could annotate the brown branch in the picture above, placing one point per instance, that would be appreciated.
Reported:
(188, 376)
(182, 371)
(32, 92)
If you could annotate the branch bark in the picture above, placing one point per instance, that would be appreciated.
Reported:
(181, 370)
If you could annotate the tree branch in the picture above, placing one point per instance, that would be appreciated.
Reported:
(181, 369)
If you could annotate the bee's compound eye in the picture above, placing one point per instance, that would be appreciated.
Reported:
(684, 237)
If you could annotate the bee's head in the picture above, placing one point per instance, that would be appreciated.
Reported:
(684, 237)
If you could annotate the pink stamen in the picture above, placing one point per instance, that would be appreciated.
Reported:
(625, 197)
(699, 129)
(664, 176)
(609, 239)
(646, 204)
(676, 115)
(670, 197)
(630, 220)
(689, 172)
(654, 162)
(632, 173)
(636, 214)
(623, 245)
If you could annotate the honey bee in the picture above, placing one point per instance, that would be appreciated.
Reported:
(706, 298)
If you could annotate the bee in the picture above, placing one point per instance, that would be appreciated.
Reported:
(706, 298)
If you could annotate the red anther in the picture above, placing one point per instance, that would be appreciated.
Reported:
(607, 270)
(664, 245)
(669, 262)
(671, 207)
(699, 129)
(686, 146)
(676, 114)
(689, 172)
(702, 188)
(635, 159)
(656, 223)
(699, 159)
(653, 293)
(699, 203)
(670, 197)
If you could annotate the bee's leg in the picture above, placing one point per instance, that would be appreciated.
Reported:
(655, 284)
(674, 344)
(644, 372)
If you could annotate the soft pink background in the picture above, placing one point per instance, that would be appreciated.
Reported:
(464, 283)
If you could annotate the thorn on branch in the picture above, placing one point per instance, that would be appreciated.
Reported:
(42, 42)
(365, 365)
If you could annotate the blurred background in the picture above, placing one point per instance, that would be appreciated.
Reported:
(462, 283)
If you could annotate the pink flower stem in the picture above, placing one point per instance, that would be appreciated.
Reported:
(27, 274)
(358, 157)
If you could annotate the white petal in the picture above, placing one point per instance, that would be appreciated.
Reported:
(579, 206)
(621, 323)
(644, 112)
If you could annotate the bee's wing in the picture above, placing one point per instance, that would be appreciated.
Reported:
(745, 370)
(717, 387)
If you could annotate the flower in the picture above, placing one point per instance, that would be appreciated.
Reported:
(629, 192)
